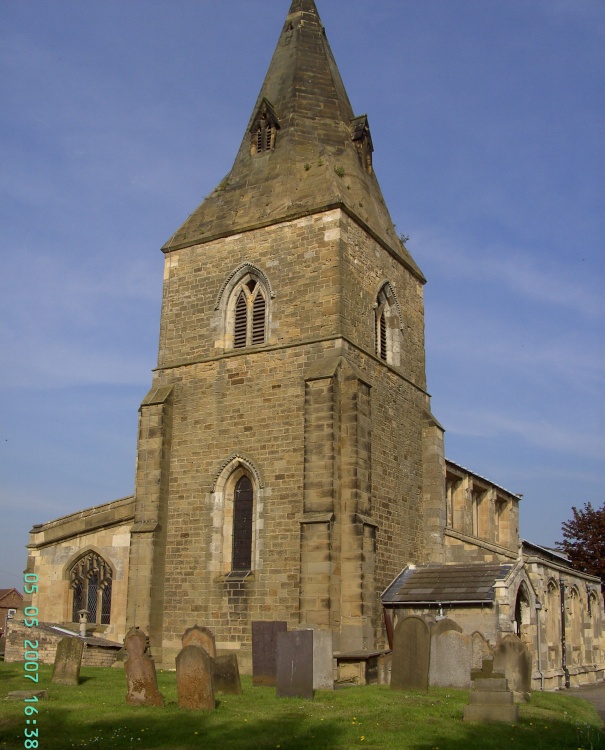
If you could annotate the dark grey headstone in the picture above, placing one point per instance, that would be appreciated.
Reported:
(194, 679)
(68, 660)
(225, 670)
(295, 664)
(411, 655)
(264, 650)
(140, 672)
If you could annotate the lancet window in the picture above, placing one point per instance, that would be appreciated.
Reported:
(243, 504)
(248, 313)
(264, 129)
(387, 326)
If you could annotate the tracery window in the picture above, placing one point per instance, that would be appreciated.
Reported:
(90, 580)
(248, 313)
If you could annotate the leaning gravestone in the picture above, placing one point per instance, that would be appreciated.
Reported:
(295, 664)
(323, 658)
(264, 651)
(225, 673)
(512, 657)
(140, 672)
(194, 679)
(198, 636)
(411, 655)
(68, 661)
(451, 659)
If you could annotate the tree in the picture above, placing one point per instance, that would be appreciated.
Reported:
(584, 540)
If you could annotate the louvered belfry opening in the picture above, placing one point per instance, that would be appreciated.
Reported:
(242, 525)
(383, 336)
(250, 318)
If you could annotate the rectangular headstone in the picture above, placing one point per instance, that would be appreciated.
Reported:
(68, 660)
(411, 655)
(451, 659)
(264, 651)
(295, 664)
(323, 671)
(195, 679)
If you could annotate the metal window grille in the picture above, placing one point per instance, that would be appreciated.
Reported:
(106, 604)
(91, 598)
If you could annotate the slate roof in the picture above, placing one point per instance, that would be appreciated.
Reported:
(315, 164)
(441, 584)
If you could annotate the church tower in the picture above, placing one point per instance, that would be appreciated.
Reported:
(288, 465)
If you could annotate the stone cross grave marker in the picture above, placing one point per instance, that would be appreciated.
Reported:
(140, 672)
(68, 661)
(194, 679)
(264, 651)
(295, 664)
(411, 655)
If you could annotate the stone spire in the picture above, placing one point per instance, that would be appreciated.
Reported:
(303, 151)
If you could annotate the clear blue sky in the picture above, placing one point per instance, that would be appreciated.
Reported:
(487, 117)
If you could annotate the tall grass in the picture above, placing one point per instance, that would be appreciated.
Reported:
(95, 715)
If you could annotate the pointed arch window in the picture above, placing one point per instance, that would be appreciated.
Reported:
(90, 581)
(387, 326)
(247, 313)
(264, 129)
(243, 504)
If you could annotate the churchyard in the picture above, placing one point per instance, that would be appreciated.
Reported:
(94, 714)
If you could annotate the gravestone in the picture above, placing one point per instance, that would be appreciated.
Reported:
(451, 658)
(411, 655)
(295, 664)
(512, 657)
(481, 650)
(198, 636)
(323, 658)
(194, 679)
(68, 660)
(140, 672)
(384, 669)
(443, 626)
(490, 698)
(225, 673)
(264, 651)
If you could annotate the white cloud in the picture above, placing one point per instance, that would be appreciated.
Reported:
(517, 269)
(536, 431)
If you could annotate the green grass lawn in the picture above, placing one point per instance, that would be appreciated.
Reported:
(95, 715)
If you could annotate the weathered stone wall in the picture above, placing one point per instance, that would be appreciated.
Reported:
(266, 409)
(92, 656)
(55, 546)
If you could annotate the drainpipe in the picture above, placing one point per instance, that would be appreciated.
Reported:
(538, 610)
(563, 647)
(388, 624)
